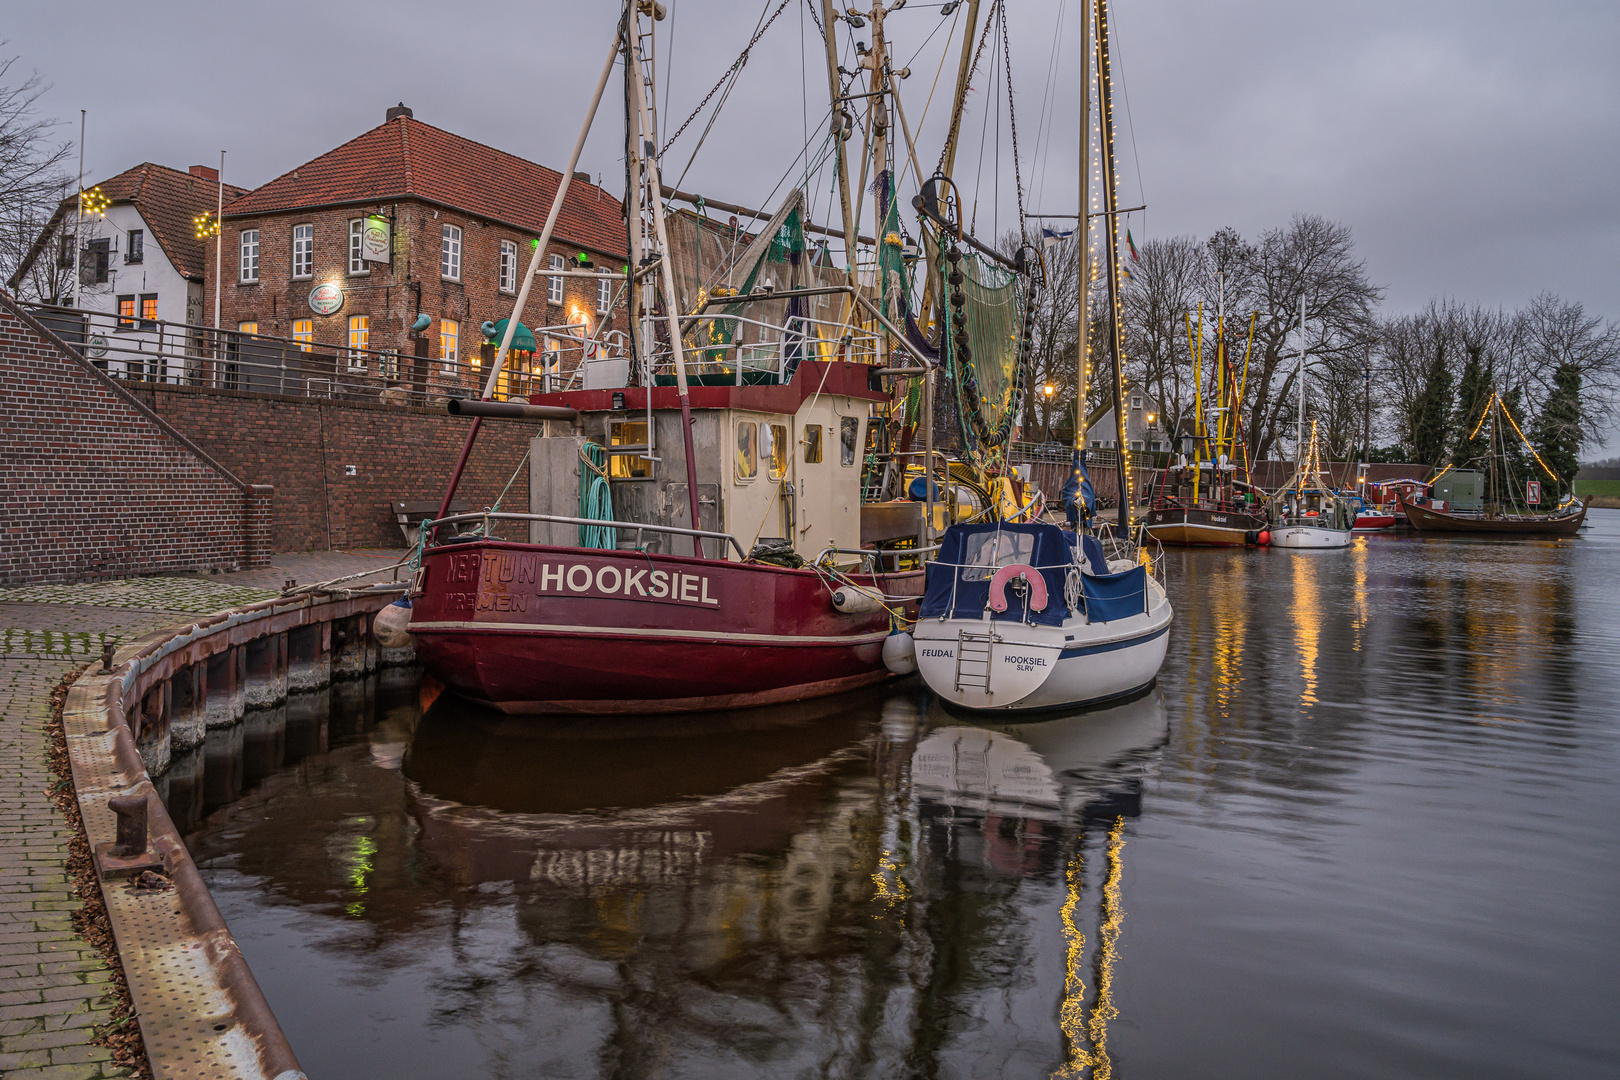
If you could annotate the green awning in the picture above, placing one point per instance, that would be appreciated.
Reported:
(522, 338)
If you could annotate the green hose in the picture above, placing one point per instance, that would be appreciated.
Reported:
(595, 498)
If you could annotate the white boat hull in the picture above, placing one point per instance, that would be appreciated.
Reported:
(1004, 665)
(1309, 536)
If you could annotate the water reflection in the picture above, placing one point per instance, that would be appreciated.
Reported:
(1311, 852)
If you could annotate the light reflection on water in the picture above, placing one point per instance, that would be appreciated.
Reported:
(1363, 827)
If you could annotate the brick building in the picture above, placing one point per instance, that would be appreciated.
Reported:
(408, 219)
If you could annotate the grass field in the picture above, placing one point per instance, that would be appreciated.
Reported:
(1584, 488)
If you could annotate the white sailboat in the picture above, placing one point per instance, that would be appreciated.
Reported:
(1306, 511)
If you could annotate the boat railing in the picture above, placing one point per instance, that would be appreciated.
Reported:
(870, 556)
(639, 528)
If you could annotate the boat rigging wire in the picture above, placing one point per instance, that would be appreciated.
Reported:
(731, 74)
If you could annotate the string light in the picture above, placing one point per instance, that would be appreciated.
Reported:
(94, 202)
(206, 225)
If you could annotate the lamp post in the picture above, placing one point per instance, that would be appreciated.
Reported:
(1048, 390)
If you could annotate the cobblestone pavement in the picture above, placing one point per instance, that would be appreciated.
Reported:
(53, 986)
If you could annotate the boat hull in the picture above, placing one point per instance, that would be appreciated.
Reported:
(1424, 519)
(1374, 522)
(1309, 537)
(1189, 526)
(1046, 667)
(531, 629)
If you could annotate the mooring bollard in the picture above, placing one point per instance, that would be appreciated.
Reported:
(127, 855)
(106, 658)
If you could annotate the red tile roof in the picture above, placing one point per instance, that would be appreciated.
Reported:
(405, 158)
(169, 200)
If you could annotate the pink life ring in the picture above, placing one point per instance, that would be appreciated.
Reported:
(1032, 577)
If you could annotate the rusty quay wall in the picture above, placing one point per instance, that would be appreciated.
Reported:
(201, 1011)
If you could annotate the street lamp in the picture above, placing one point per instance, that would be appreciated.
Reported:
(1048, 389)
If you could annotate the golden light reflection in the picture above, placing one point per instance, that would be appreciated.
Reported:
(1113, 917)
(1072, 1013)
(891, 887)
(1307, 624)
(1358, 558)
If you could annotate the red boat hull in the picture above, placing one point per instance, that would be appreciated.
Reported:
(532, 629)
(1373, 522)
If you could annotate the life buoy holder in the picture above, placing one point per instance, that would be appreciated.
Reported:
(1031, 578)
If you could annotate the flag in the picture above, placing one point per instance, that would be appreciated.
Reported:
(1131, 244)
(1050, 238)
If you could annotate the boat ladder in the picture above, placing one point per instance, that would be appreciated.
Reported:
(973, 659)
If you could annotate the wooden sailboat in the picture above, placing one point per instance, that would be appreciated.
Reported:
(1504, 513)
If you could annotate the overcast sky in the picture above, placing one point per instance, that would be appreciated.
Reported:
(1473, 147)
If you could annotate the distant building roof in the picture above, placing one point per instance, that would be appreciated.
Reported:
(168, 199)
(405, 158)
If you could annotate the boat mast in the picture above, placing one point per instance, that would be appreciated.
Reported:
(1110, 202)
(1299, 421)
(829, 21)
(640, 116)
(1083, 229)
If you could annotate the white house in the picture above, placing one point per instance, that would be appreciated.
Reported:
(1144, 426)
(140, 264)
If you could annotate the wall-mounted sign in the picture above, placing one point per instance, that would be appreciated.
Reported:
(98, 346)
(325, 299)
(376, 240)
(1532, 492)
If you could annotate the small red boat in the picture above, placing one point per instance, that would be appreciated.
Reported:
(1373, 521)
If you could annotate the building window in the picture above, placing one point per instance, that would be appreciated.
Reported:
(357, 262)
(149, 313)
(554, 286)
(450, 253)
(747, 449)
(64, 254)
(126, 312)
(93, 270)
(250, 255)
(303, 253)
(247, 329)
(508, 266)
(135, 246)
(1136, 403)
(359, 336)
(304, 334)
(449, 343)
(604, 296)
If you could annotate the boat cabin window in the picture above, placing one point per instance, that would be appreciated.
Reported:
(747, 449)
(812, 444)
(989, 552)
(849, 431)
(628, 466)
(777, 450)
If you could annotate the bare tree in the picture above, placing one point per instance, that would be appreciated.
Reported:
(33, 181)
(1554, 332)
(1165, 283)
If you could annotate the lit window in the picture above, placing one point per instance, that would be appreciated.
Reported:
(812, 444)
(126, 312)
(778, 450)
(450, 253)
(357, 251)
(604, 295)
(303, 252)
(149, 313)
(508, 266)
(359, 337)
(747, 450)
(250, 255)
(849, 430)
(623, 466)
(247, 329)
(135, 248)
(554, 286)
(304, 334)
(449, 343)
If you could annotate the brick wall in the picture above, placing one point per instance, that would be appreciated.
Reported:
(302, 447)
(391, 295)
(93, 485)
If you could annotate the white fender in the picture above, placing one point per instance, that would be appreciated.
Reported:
(900, 653)
(856, 600)
(392, 626)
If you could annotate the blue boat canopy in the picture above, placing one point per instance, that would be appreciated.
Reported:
(958, 582)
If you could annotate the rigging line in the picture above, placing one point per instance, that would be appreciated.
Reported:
(1130, 123)
(669, 54)
(943, 53)
(1046, 100)
(804, 94)
(730, 74)
(736, 75)
(978, 177)
(978, 51)
(1012, 122)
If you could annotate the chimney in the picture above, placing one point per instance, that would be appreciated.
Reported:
(582, 177)
(206, 172)
(398, 111)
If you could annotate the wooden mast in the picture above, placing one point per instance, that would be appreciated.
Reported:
(1082, 358)
(1110, 203)
(829, 21)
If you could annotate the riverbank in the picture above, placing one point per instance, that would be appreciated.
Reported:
(60, 1005)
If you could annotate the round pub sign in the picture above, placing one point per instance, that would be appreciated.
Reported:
(325, 299)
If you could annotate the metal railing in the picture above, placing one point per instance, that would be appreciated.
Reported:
(636, 527)
(182, 354)
(869, 556)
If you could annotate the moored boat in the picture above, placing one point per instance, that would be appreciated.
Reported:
(1426, 519)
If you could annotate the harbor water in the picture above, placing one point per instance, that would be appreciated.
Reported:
(1366, 825)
